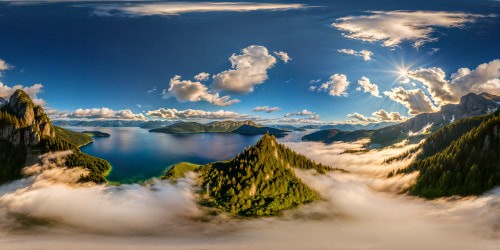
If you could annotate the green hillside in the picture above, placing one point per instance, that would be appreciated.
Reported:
(259, 181)
(460, 159)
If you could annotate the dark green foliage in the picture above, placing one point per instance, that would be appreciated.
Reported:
(76, 138)
(255, 130)
(259, 181)
(179, 170)
(468, 165)
(12, 159)
(97, 167)
(95, 133)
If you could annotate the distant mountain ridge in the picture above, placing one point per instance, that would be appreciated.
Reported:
(414, 128)
(111, 123)
(238, 127)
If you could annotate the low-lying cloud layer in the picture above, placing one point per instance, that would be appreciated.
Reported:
(360, 209)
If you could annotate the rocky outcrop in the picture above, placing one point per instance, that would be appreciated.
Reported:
(27, 123)
(470, 105)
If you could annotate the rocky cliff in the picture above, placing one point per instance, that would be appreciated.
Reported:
(23, 122)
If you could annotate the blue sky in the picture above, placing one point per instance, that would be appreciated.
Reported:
(91, 55)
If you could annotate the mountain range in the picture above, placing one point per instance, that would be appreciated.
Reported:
(418, 127)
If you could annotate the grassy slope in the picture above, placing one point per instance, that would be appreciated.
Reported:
(76, 138)
(180, 169)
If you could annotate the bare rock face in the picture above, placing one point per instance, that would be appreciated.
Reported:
(32, 124)
(22, 107)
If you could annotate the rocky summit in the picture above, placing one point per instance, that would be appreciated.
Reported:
(23, 122)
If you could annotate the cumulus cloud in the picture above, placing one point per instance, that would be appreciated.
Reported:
(202, 76)
(283, 56)
(385, 116)
(32, 91)
(361, 118)
(249, 68)
(186, 90)
(377, 116)
(4, 66)
(187, 114)
(414, 100)
(177, 8)
(434, 80)
(105, 113)
(369, 87)
(303, 112)
(484, 78)
(266, 109)
(394, 27)
(365, 54)
(335, 86)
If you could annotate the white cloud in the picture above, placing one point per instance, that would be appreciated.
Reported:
(304, 112)
(266, 109)
(377, 116)
(187, 114)
(202, 76)
(150, 91)
(369, 87)
(434, 80)
(393, 27)
(414, 100)
(186, 90)
(484, 78)
(335, 86)
(105, 113)
(283, 56)
(4, 66)
(366, 54)
(313, 119)
(361, 118)
(177, 8)
(32, 91)
(249, 68)
(385, 116)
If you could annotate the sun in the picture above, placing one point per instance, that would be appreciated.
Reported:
(403, 73)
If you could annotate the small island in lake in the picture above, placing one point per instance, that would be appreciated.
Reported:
(96, 133)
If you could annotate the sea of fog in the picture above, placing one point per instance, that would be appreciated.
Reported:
(361, 209)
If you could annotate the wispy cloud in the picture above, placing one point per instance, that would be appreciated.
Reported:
(177, 8)
(393, 27)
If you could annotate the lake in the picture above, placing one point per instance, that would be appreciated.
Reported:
(137, 155)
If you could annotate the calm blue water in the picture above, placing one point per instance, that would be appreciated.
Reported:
(138, 155)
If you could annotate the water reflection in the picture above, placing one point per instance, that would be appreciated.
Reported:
(136, 154)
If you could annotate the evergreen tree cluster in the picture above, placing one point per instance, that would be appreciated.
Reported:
(259, 181)
(460, 159)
